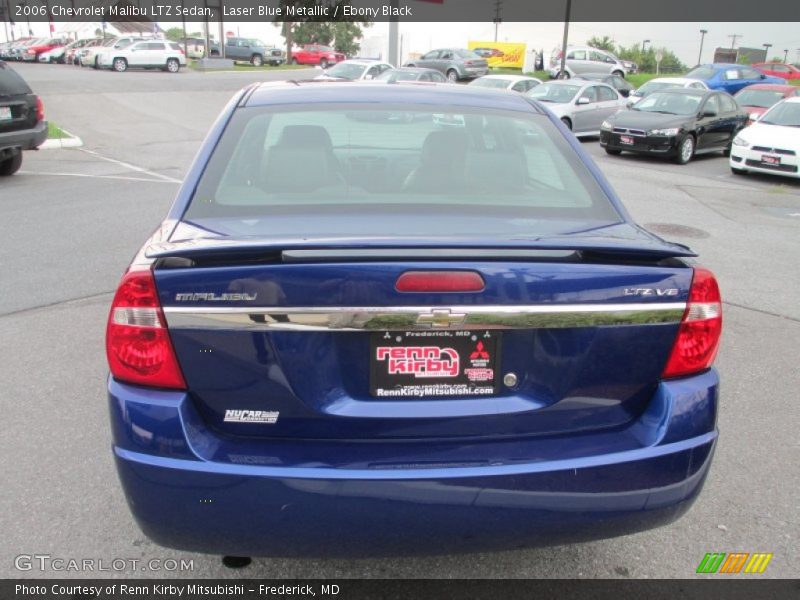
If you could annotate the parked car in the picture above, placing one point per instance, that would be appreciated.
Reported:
(32, 51)
(454, 63)
(619, 83)
(784, 71)
(72, 51)
(17, 49)
(730, 77)
(667, 83)
(316, 54)
(411, 74)
(585, 59)
(771, 144)
(676, 123)
(151, 54)
(350, 338)
(758, 98)
(514, 83)
(581, 105)
(354, 70)
(254, 51)
(88, 55)
(22, 123)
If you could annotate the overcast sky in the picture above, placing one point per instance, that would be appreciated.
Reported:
(682, 38)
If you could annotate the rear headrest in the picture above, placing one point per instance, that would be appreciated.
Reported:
(296, 136)
(444, 148)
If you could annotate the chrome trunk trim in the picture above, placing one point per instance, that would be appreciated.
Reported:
(410, 318)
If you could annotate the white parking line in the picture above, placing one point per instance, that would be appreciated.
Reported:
(118, 177)
(130, 166)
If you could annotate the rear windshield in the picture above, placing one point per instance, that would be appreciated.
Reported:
(11, 84)
(701, 73)
(759, 98)
(654, 86)
(393, 75)
(383, 159)
(487, 82)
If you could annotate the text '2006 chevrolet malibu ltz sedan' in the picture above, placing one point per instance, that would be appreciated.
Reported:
(361, 335)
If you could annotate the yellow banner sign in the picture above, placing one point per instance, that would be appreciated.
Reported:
(500, 54)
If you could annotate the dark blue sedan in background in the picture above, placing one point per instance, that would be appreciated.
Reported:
(381, 336)
(730, 77)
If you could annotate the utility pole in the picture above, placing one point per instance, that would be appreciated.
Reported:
(394, 58)
(734, 37)
(498, 4)
(643, 44)
(766, 51)
(786, 55)
(564, 41)
(703, 33)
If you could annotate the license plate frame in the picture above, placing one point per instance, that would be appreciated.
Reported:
(434, 364)
(772, 161)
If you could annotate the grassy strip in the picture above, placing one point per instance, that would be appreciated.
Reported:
(54, 132)
(243, 66)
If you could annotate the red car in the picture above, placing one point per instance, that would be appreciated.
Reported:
(316, 54)
(779, 70)
(758, 98)
(32, 52)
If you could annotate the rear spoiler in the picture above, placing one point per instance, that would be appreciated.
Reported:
(568, 248)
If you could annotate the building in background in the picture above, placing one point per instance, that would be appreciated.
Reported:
(741, 55)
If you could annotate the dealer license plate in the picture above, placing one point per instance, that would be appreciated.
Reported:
(5, 113)
(425, 364)
(771, 160)
(626, 139)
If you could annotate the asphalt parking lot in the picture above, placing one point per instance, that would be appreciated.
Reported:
(72, 219)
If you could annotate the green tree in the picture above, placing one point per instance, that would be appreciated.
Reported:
(646, 60)
(343, 33)
(601, 43)
(174, 33)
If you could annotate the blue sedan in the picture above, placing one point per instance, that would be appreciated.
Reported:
(730, 77)
(354, 337)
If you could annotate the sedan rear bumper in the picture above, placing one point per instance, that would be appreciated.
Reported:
(190, 489)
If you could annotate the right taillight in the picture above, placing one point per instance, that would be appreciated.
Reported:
(700, 329)
(138, 346)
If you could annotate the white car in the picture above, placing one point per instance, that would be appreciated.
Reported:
(88, 55)
(515, 83)
(150, 54)
(354, 70)
(53, 56)
(771, 144)
(665, 83)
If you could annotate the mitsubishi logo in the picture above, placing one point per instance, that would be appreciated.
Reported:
(441, 317)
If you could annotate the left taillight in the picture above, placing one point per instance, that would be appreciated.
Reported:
(138, 346)
(39, 109)
(701, 327)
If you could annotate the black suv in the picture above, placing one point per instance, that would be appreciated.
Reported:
(22, 124)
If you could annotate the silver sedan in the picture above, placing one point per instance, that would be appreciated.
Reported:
(581, 105)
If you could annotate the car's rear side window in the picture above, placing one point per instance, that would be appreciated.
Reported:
(400, 155)
(11, 84)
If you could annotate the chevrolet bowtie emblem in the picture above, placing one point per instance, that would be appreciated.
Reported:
(441, 317)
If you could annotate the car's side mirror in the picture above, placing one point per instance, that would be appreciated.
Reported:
(624, 93)
(763, 76)
(630, 103)
(582, 100)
